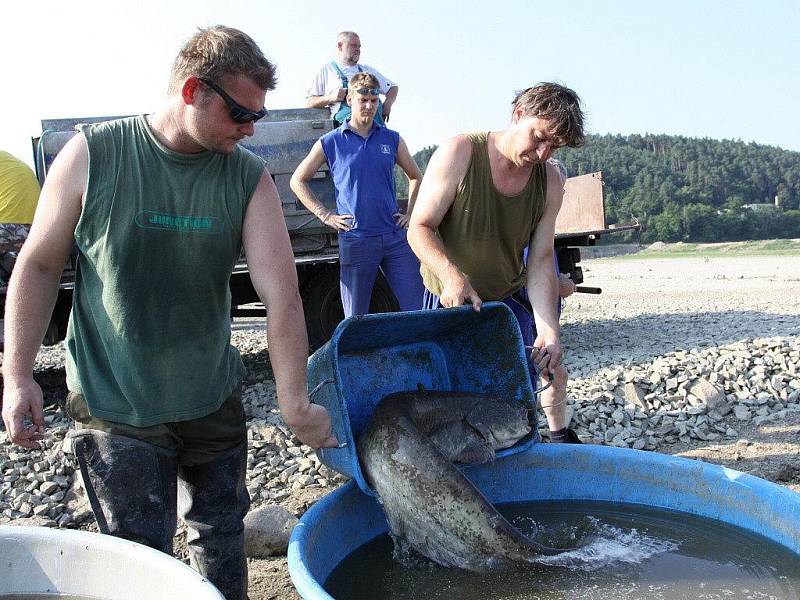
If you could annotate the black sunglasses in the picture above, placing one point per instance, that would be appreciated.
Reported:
(364, 91)
(239, 113)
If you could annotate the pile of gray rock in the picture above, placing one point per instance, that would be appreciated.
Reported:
(277, 463)
(699, 394)
(35, 483)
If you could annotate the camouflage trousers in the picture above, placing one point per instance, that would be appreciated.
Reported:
(12, 236)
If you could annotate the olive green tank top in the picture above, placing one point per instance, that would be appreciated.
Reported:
(159, 233)
(485, 232)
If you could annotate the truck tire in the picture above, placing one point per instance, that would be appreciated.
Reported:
(322, 303)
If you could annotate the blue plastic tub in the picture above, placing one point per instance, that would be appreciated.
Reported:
(371, 356)
(347, 519)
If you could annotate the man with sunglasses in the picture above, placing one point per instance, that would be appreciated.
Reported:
(159, 207)
(330, 84)
(361, 155)
(488, 196)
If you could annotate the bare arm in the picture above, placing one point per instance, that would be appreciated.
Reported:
(566, 287)
(326, 100)
(320, 95)
(33, 289)
(299, 183)
(542, 278)
(388, 101)
(272, 271)
(414, 176)
(446, 169)
(317, 102)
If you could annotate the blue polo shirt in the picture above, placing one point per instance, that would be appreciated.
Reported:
(363, 176)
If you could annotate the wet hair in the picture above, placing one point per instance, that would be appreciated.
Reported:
(363, 79)
(557, 104)
(218, 51)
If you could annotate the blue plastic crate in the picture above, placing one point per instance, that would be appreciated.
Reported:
(371, 356)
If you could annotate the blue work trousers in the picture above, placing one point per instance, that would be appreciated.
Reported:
(360, 258)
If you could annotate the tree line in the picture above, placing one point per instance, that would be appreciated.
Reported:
(688, 189)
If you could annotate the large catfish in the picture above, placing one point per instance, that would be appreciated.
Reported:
(407, 454)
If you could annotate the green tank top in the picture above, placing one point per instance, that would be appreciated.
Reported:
(148, 340)
(485, 232)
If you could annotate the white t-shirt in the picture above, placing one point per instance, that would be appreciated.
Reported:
(327, 80)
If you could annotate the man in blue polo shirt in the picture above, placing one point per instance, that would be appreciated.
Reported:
(361, 155)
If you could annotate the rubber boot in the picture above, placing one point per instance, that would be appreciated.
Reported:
(132, 486)
(214, 501)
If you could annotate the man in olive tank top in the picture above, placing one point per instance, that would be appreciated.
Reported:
(484, 199)
(159, 207)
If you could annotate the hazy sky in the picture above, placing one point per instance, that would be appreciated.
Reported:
(706, 68)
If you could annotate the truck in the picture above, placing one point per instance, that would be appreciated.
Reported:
(282, 139)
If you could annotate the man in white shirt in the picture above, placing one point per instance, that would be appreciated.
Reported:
(329, 88)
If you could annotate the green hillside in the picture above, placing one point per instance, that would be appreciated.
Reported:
(689, 189)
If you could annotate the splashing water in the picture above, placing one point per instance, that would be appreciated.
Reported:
(606, 545)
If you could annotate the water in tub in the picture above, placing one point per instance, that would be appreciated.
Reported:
(632, 553)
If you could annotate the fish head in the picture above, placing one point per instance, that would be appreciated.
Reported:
(501, 423)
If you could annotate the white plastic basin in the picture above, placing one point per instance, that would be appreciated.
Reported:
(38, 560)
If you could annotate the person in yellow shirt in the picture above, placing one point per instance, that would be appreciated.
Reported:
(19, 193)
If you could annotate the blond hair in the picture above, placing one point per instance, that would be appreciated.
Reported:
(363, 79)
(217, 51)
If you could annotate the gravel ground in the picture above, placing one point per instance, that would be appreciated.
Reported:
(733, 322)
(692, 356)
(652, 307)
